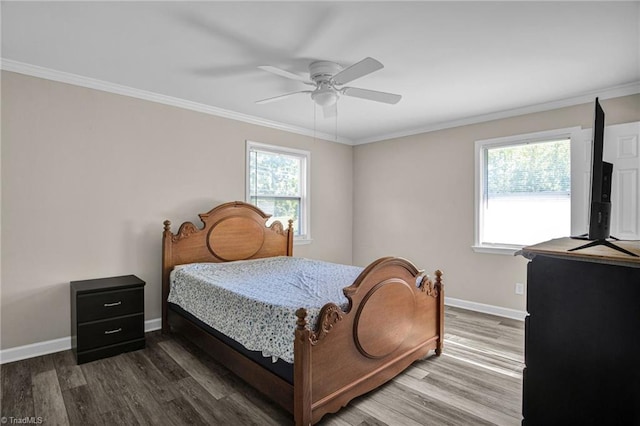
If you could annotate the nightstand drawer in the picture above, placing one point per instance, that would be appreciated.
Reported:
(111, 331)
(109, 304)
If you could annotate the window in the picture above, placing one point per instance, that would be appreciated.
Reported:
(278, 183)
(523, 190)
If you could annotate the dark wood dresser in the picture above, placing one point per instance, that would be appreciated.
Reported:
(582, 335)
(107, 317)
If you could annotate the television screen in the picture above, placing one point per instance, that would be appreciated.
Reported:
(600, 206)
(601, 171)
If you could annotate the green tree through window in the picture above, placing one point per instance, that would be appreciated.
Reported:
(277, 183)
(529, 168)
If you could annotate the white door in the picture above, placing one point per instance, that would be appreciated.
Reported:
(622, 148)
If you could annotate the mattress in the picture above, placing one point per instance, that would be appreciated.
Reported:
(254, 301)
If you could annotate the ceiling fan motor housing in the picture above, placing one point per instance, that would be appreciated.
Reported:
(321, 71)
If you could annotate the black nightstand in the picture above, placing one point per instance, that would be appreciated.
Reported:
(107, 317)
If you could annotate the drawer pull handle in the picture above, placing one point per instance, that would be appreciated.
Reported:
(117, 330)
(106, 305)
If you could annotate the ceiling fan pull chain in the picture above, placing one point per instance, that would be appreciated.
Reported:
(336, 123)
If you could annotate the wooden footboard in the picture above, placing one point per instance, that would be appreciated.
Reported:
(396, 316)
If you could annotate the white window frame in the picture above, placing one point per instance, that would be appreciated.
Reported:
(305, 203)
(481, 146)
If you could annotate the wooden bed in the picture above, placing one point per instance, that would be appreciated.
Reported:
(390, 323)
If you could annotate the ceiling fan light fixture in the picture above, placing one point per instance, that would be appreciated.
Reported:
(325, 97)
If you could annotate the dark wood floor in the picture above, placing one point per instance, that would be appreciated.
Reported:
(477, 381)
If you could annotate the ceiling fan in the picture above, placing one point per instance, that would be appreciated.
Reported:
(328, 80)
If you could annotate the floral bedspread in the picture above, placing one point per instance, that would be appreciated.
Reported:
(254, 301)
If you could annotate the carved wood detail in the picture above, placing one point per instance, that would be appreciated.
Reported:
(432, 289)
(186, 230)
(329, 316)
(279, 228)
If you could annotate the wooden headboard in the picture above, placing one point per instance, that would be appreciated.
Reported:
(232, 231)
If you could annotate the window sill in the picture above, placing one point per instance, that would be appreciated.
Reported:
(302, 241)
(497, 249)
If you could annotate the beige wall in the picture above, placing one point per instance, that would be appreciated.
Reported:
(88, 178)
(414, 197)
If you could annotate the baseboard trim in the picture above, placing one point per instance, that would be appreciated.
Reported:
(153, 325)
(486, 309)
(35, 349)
(56, 345)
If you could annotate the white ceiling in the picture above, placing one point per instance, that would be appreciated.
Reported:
(453, 62)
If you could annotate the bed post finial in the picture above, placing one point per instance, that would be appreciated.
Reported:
(438, 276)
(302, 396)
(167, 225)
(302, 318)
(440, 287)
(290, 239)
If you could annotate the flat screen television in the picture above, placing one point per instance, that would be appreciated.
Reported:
(601, 171)
(600, 196)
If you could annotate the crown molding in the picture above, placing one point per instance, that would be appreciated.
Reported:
(105, 86)
(608, 93)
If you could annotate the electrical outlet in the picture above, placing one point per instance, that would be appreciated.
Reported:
(519, 288)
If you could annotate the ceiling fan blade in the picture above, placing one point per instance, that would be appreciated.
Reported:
(357, 70)
(279, 97)
(285, 74)
(372, 95)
